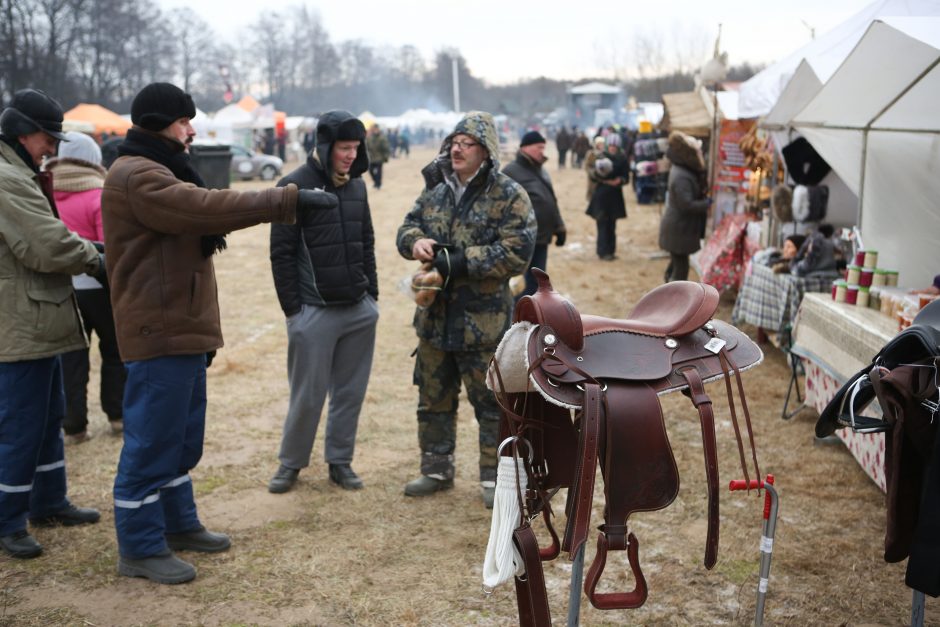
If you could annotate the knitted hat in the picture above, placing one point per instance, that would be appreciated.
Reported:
(158, 105)
(532, 137)
(80, 146)
(31, 110)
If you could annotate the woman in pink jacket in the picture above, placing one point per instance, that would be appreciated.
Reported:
(77, 179)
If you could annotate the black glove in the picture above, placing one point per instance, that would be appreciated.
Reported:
(209, 357)
(101, 274)
(309, 200)
(451, 263)
(560, 237)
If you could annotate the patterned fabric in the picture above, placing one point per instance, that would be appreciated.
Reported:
(493, 224)
(723, 258)
(771, 301)
(868, 449)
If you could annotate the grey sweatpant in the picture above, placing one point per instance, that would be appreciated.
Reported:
(329, 351)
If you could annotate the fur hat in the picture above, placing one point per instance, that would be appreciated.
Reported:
(158, 105)
(80, 147)
(781, 201)
(532, 137)
(686, 151)
(32, 110)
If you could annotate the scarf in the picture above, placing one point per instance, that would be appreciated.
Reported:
(172, 155)
(20, 151)
(75, 175)
(337, 179)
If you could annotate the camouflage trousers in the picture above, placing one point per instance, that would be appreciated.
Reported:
(438, 375)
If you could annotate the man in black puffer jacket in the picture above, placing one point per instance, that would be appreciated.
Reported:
(325, 277)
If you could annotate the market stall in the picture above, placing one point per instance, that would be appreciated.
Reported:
(102, 120)
(834, 341)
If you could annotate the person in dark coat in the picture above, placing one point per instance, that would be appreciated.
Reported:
(527, 170)
(607, 204)
(563, 142)
(325, 277)
(683, 223)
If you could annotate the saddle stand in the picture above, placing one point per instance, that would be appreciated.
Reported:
(610, 372)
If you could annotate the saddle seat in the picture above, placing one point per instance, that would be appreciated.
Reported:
(672, 309)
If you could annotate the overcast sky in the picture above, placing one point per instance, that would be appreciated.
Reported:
(507, 40)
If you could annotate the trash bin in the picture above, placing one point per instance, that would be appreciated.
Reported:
(213, 162)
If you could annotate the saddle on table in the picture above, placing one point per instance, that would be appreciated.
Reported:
(611, 372)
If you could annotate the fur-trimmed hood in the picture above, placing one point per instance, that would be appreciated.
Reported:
(684, 150)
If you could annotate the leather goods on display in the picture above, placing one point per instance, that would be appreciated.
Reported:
(610, 373)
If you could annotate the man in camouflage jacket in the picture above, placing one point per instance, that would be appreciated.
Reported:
(477, 227)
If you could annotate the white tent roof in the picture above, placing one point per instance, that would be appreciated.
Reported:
(803, 85)
(875, 123)
(824, 54)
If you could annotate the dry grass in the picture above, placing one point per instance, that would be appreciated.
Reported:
(321, 556)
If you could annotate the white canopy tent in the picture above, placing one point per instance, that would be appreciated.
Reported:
(875, 122)
(824, 54)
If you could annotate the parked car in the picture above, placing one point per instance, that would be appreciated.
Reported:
(247, 165)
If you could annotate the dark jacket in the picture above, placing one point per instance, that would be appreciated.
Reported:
(683, 223)
(534, 179)
(607, 200)
(163, 288)
(328, 257)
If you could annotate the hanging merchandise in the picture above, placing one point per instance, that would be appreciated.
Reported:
(804, 164)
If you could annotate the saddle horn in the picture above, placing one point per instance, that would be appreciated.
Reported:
(548, 307)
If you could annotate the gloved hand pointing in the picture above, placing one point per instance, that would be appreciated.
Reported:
(309, 200)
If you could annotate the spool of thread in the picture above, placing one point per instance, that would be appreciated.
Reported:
(851, 294)
(865, 277)
(853, 273)
(841, 288)
(880, 278)
(871, 259)
(863, 297)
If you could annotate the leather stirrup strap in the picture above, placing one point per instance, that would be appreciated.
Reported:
(581, 494)
(703, 404)
(640, 474)
(747, 414)
(531, 596)
(726, 371)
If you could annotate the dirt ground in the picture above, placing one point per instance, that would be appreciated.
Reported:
(322, 556)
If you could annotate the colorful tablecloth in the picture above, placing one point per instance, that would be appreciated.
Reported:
(835, 341)
(770, 301)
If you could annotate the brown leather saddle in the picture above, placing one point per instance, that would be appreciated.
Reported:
(610, 372)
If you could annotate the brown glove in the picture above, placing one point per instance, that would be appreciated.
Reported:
(426, 283)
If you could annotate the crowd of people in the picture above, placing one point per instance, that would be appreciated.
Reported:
(127, 254)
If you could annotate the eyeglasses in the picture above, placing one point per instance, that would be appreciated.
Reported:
(463, 144)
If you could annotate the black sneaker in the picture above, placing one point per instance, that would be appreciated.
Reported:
(283, 480)
(161, 568)
(68, 517)
(344, 476)
(21, 545)
(201, 540)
